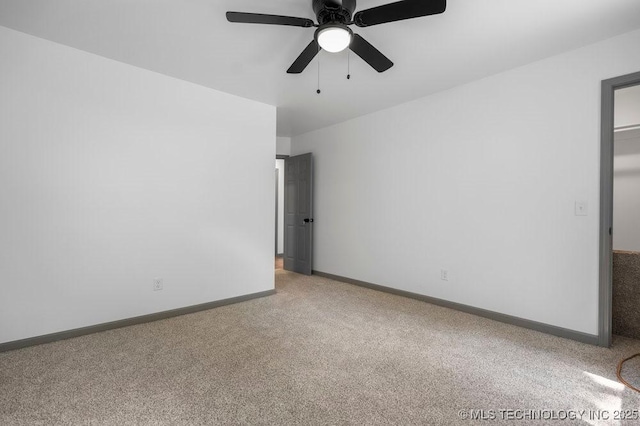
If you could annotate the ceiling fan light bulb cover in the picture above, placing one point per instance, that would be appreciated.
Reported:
(334, 39)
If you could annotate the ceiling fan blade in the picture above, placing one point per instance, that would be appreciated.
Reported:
(259, 18)
(399, 11)
(369, 54)
(305, 58)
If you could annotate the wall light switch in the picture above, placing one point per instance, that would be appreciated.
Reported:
(582, 208)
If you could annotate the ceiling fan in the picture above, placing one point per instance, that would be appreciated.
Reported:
(333, 33)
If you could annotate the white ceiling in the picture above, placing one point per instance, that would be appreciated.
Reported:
(191, 40)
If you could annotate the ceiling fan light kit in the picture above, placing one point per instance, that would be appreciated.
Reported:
(334, 38)
(333, 34)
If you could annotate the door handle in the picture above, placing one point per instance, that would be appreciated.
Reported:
(308, 220)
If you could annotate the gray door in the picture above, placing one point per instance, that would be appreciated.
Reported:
(277, 196)
(298, 213)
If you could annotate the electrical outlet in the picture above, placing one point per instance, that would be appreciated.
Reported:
(157, 284)
(444, 275)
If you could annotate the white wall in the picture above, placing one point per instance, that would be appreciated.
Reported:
(111, 175)
(626, 191)
(283, 145)
(280, 236)
(480, 180)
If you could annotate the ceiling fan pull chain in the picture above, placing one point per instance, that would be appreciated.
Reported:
(318, 91)
(348, 65)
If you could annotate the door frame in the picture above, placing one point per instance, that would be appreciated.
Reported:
(605, 309)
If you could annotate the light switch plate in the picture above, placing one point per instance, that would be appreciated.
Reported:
(158, 284)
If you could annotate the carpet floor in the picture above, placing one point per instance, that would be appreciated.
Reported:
(317, 352)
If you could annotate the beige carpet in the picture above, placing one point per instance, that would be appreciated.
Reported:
(317, 352)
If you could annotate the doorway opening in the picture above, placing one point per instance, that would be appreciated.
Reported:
(619, 206)
(626, 213)
(279, 239)
(294, 213)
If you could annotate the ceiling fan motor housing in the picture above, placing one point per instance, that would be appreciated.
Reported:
(332, 11)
